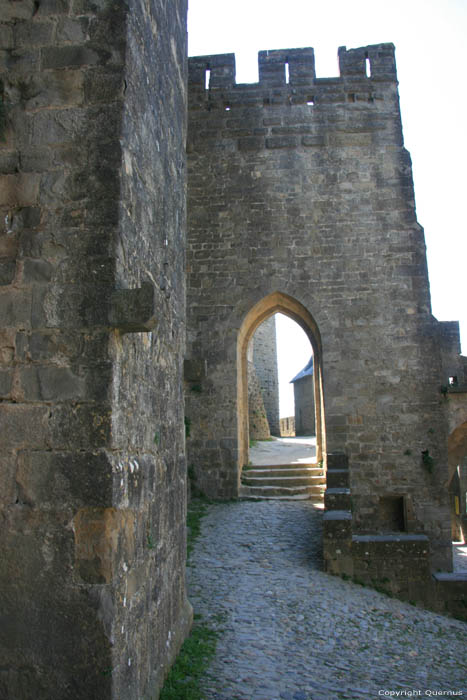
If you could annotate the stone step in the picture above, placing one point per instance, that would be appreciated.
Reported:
(337, 525)
(313, 498)
(306, 492)
(337, 499)
(286, 465)
(282, 471)
(283, 480)
(337, 478)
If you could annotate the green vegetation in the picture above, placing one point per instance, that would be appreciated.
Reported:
(428, 461)
(184, 679)
(196, 510)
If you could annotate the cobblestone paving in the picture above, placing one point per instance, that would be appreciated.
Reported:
(288, 631)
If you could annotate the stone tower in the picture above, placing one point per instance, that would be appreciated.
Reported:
(92, 305)
(301, 201)
(265, 362)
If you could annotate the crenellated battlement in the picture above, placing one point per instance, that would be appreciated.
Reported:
(294, 68)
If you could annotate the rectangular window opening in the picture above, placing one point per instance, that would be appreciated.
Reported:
(310, 100)
(367, 66)
(392, 517)
(287, 74)
(453, 381)
(227, 106)
(351, 97)
(207, 79)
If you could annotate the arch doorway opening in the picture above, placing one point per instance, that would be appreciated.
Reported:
(279, 386)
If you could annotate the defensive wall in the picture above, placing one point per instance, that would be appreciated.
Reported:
(300, 200)
(92, 305)
(265, 362)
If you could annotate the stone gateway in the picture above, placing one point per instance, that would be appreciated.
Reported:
(300, 200)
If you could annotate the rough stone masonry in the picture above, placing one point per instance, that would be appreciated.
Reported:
(300, 200)
(92, 306)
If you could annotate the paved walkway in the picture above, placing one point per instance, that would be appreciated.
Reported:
(288, 631)
(291, 450)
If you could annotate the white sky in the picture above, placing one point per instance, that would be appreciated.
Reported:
(431, 46)
(293, 352)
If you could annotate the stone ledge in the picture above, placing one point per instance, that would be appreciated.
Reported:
(390, 538)
(453, 576)
(337, 515)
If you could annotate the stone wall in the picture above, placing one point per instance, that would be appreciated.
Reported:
(301, 197)
(92, 522)
(304, 398)
(257, 418)
(265, 360)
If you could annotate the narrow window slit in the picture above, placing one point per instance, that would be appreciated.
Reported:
(287, 74)
(207, 79)
(367, 65)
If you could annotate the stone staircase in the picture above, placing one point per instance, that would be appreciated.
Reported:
(284, 482)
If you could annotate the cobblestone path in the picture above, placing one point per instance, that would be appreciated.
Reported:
(289, 631)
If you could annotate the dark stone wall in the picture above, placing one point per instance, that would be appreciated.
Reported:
(265, 361)
(304, 399)
(306, 189)
(257, 418)
(92, 542)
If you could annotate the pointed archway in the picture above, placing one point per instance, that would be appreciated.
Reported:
(277, 302)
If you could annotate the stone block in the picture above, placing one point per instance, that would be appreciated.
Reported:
(9, 162)
(7, 345)
(7, 272)
(17, 10)
(23, 426)
(39, 271)
(6, 379)
(100, 86)
(28, 34)
(8, 478)
(250, 143)
(282, 142)
(53, 7)
(72, 57)
(21, 62)
(15, 308)
(134, 310)
(81, 426)
(103, 538)
(54, 88)
(19, 190)
(51, 384)
(48, 480)
(72, 30)
(6, 37)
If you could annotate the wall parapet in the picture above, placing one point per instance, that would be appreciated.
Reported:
(293, 71)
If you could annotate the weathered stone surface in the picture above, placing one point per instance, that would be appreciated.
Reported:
(314, 216)
(92, 204)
